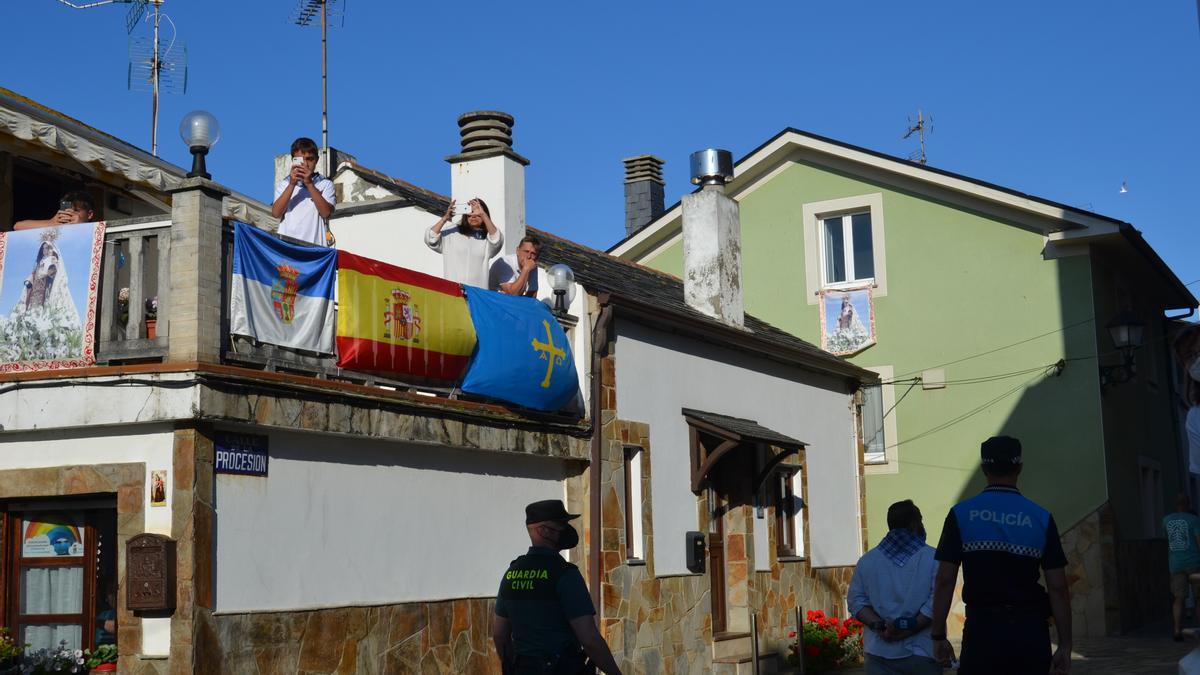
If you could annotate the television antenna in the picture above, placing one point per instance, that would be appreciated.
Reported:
(150, 68)
(153, 69)
(332, 13)
(922, 126)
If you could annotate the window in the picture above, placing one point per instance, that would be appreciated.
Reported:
(844, 245)
(633, 503)
(847, 251)
(874, 445)
(789, 525)
(1150, 479)
(60, 576)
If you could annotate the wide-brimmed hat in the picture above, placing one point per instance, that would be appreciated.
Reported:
(547, 509)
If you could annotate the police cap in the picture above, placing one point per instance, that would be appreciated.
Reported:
(547, 509)
(1000, 450)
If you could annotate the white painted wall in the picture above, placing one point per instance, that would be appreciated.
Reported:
(340, 522)
(658, 374)
(152, 445)
(92, 402)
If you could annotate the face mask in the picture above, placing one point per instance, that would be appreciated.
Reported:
(567, 538)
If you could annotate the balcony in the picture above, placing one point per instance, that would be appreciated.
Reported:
(136, 265)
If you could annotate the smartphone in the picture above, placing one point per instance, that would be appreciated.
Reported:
(297, 161)
(462, 208)
(66, 205)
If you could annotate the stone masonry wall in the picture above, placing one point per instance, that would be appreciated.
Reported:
(429, 638)
(1091, 573)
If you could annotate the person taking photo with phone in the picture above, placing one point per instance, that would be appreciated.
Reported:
(467, 247)
(304, 199)
(74, 207)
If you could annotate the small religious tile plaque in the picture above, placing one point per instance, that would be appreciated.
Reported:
(150, 573)
(241, 454)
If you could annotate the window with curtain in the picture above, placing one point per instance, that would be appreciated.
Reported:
(874, 446)
(58, 561)
(848, 252)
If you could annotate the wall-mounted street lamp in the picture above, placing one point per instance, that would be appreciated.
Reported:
(1127, 333)
(562, 282)
(200, 131)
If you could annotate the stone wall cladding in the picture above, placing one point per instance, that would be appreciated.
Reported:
(1091, 573)
(428, 638)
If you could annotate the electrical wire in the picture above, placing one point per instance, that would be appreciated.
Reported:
(970, 413)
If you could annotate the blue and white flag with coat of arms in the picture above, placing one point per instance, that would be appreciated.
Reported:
(282, 293)
(521, 353)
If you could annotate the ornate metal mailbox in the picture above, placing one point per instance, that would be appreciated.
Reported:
(150, 573)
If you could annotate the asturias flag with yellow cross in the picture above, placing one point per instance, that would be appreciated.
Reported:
(522, 355)
(395, 320)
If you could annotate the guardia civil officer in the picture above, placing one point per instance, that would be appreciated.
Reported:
(1001, 539)
(544, 615)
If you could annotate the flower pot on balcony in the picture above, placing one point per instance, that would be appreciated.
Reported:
(151, 328)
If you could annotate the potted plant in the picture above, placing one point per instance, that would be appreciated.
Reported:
(828, 643)
(152, 317)
(102, 659)
(122, 308)
(60, 659)
(10, 652)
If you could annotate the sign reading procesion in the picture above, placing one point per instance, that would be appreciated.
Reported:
(240, 454)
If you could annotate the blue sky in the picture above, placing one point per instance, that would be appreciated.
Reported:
(1064, 100)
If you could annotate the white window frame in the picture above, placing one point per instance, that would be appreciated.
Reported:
(635, 548)
(798, 490)
(813, 213)
(890, 433)
(847, 223)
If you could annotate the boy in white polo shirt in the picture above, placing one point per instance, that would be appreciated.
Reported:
(304, 200)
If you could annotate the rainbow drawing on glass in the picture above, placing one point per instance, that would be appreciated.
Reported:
(52, 535)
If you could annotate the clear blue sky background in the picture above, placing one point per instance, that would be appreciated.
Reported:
(1060, 99)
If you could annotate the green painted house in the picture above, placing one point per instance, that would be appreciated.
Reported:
(990, 313)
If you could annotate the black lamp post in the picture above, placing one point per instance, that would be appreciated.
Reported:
(1128, 333)
(200, 131)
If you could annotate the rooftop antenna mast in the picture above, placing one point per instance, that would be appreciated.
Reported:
(922, 126)
(332, 12)
(150, 68)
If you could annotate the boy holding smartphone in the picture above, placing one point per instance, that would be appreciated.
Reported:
(74, 207)
(304, 199)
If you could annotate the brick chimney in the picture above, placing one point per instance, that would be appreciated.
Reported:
(643, 191)
(488, 168)
(712, 242)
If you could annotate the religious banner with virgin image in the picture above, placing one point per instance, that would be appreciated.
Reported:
(49, 280)
(847, 320)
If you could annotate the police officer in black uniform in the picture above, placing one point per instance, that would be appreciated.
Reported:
(1003, 541)
(544, 621)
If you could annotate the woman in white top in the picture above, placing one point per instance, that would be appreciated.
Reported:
(467, 247)
(1187, 351)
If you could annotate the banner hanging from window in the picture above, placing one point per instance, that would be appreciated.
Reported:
(49, 277)
(847, 320)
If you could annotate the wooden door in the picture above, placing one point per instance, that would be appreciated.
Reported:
(716, 559)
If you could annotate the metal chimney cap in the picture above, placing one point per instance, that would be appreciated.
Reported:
(711, 167)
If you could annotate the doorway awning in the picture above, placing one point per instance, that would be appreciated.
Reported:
(731, 433)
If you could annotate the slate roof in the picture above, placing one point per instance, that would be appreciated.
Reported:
(747, 429)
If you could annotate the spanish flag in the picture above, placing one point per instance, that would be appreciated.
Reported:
(395, 320)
